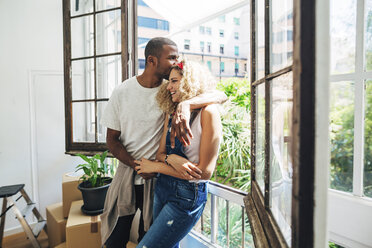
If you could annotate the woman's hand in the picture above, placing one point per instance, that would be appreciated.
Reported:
(184, 167)
(145, 168)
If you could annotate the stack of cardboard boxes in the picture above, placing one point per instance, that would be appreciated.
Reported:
(68, 227)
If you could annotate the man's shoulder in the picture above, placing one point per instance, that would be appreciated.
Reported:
(125, 85)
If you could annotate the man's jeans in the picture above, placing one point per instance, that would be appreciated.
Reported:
(178, 205)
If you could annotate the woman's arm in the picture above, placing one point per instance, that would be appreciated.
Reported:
(210, 140)
(147, 166)
(208, 152)
(183, 168)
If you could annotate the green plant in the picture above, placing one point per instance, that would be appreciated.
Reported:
(233, 164)
(96, 170)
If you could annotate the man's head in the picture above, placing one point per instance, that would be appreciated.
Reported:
(161, 53)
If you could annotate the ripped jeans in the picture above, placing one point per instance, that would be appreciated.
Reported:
(178, 205)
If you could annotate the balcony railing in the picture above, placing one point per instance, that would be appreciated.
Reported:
(219, 225)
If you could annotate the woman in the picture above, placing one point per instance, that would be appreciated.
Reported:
(180, 193)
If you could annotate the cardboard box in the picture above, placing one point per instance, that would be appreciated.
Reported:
(56, 224)
(70, 192)
(61, 245)
(82, 231)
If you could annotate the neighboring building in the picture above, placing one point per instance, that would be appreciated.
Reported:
(150, 24)
(222, 43)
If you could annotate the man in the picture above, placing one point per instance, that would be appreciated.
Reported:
(134, 126)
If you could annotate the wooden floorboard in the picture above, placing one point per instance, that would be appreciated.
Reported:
(19, 240)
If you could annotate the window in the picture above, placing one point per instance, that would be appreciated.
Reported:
(209, 46)
(208, 30)
(141, 63)
(209, 64)
(153, 23)
(236, 21)
(272, 105)
(201, 29)
(142, 3)
(350, 90)
(186, 45)
(236, 35)
(94, 66)
(236, 50)
(236, 68)
(222, 67)
(202, 46)
(222, 18)
(221, 48)
(222, 33)
(142, 40)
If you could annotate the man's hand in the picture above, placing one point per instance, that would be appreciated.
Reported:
(180, 125)
(143, 168)
(184, 167)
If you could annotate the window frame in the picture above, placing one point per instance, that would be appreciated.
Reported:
(128, 14)
(265, 231)
(360, 77)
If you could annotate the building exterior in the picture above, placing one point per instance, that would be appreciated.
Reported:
(220, 43)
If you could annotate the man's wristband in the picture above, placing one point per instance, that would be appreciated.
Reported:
(166, 159)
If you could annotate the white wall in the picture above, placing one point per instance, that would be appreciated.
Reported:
(31, 100)
(350, 219)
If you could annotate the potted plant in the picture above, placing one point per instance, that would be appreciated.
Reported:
(95, 182)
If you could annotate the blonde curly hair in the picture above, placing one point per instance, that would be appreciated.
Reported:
(196, 79)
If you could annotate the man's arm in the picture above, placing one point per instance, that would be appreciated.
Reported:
(180, 121)
(118, 150)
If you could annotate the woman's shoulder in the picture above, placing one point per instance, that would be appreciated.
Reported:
(212, 109)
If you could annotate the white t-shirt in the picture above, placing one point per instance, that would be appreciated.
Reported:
(134, 111)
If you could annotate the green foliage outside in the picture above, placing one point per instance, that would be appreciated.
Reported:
(233, 164)
(235, 224)
(333, 245)
(95, 169)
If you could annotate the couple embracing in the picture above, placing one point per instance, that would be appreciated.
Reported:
(166, 136)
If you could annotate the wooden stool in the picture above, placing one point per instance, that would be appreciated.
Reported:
(6, 192)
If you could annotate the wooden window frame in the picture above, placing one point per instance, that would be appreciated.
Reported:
(129, 65)
(265, 230)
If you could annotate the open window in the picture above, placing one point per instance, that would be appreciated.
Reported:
(280, 204)
(95, 62)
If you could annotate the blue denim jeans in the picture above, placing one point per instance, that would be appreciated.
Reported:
(178, 205)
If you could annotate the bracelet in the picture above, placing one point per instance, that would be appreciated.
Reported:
(166, 158)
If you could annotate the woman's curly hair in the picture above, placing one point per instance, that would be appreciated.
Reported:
(196, 79)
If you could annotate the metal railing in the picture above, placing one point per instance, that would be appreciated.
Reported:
(229, 195)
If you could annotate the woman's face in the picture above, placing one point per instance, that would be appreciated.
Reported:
(174, 85)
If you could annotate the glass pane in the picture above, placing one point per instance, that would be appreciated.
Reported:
(101, 130)
(82, 37)
(83, 119)
(260, 136)
(368, 35)
(281, 31)
(108, 32)
(107, 4)
(281, 168)
(260, 36)
(79, 7)
(108, 75)
(343, 28)
(368, 141)
(82, 79)
(342, 135)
